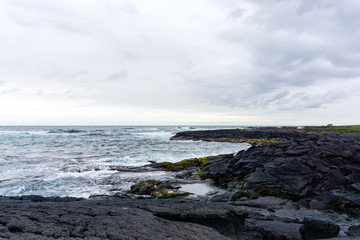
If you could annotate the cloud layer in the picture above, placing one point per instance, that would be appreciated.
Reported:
(179, 62)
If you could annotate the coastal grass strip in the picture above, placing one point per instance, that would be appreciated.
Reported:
(340, 129)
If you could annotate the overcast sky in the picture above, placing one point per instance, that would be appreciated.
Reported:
(236, 62)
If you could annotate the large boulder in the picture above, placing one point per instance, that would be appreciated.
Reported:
(317, 229)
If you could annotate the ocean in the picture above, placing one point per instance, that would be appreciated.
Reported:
(80, 161)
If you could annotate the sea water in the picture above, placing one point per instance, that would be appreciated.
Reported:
(79, 161)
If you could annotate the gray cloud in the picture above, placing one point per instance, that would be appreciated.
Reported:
(129, 55)
(261, 59)
(237, 13)
(129, 8)
(58, 73)
(68, 27)
(118, 76)
(302, 100)
(43, 14)
(10, 91)
(293, 44)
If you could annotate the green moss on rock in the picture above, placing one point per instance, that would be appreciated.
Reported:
(157, 189)
(169, 193)
(183, 164)
(253, 141)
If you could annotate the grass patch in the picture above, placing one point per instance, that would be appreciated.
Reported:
(340, 129)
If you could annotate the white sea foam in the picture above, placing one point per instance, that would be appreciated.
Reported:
(197, 188)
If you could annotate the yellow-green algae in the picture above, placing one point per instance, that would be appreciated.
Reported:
(263, 141)
(170, 193)
(157, 189)
(254, 141)
(191, 162)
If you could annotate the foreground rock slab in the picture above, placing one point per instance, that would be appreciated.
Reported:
(105, 217)
(117, 218)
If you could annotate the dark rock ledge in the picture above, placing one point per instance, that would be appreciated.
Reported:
(294, 185)
(102, 217)
(315, 170)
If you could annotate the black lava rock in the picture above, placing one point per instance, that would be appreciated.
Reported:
(354, 231)
(317, 229)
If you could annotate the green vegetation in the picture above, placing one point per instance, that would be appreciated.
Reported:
(200, 172)
(191, 162)
(169, 193)
(202, 160)
(264, 141)
(147, 187)
(251, 141)
(341, 129)
(157, 189)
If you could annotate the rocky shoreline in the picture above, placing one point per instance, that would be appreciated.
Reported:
(318, 170)
(290, 184)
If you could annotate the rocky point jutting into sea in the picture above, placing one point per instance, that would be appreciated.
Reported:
(290, 184)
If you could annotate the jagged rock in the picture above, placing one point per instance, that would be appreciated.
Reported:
(354, 231)
(238, 194)
(226, 219)
(317, 229)
(316, 204)
(269, 203)
(222, 196)
(302, 166)
(274, 230)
